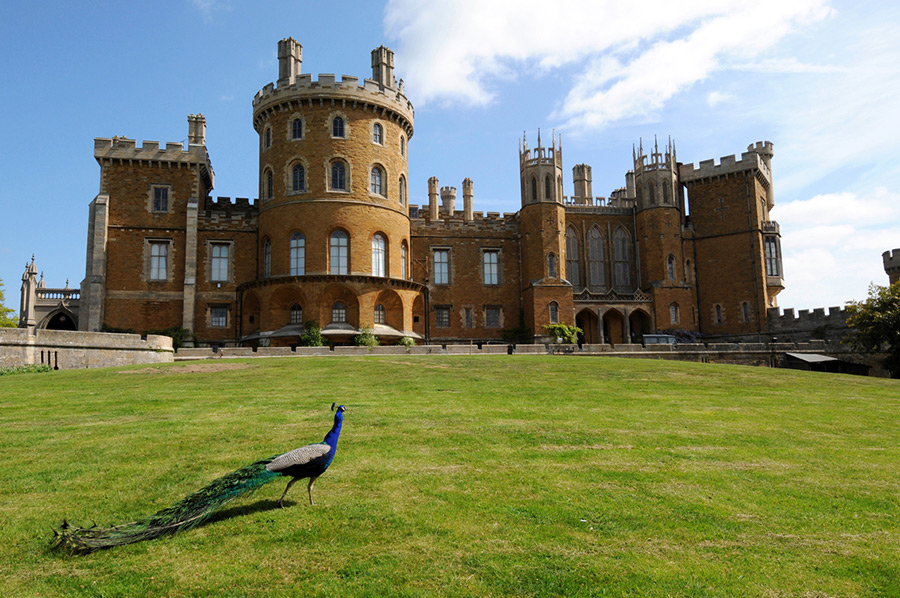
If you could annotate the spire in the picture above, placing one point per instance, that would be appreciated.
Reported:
(539, 139)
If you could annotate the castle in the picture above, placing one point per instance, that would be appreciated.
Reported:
(333, 238)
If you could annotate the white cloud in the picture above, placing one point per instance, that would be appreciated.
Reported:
(208, 7)
(715, 98)
(632, 58)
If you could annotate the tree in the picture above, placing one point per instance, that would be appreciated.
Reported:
(7, 320)
(876, 323)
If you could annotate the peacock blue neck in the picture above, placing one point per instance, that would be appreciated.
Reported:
(331, 439)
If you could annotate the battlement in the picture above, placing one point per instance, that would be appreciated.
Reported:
(755, 158)
(808, 324)
(489, 221)
(225, 203)
(122, 148)
(348, 88)
(598, 205)
(892, 264)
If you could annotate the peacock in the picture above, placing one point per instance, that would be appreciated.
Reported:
(308, 461)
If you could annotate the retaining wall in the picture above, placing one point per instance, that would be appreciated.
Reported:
(65, 349)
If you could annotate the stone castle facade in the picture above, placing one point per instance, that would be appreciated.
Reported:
(334, 239)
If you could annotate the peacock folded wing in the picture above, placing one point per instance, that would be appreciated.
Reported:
(299, 457)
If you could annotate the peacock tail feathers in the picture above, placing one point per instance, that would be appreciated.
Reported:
(188, 513)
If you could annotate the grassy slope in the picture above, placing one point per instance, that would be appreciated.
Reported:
(459, 476)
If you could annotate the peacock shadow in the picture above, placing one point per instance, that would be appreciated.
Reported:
(243, 510)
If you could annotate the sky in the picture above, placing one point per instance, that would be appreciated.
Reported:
(818, 78)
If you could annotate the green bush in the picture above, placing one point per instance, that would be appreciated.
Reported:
(312, 336)
(25, 369)
(406, 342)
(568, 335)
(365, 338)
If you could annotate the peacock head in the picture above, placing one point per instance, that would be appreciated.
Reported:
(339, 412)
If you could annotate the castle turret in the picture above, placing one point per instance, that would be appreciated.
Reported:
(433, 206)
(448, 200)
(548, 292)
(581, 176)
(383, 67)
(290, 58)
(892, 265)
(196, 129)
(468, 199)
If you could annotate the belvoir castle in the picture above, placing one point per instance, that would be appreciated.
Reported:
(333, 239)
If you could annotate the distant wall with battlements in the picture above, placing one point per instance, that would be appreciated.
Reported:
(808, 325)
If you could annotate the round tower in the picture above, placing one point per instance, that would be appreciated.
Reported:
(542, 225)
(892, 265)
(334, 232)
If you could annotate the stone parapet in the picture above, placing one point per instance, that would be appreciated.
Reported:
(65, 349)
(750, 160)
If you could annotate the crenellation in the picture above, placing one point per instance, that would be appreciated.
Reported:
(892, 265)
(830, 324)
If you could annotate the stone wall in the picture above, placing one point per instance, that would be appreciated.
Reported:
(65, 349)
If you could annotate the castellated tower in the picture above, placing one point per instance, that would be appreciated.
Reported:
(334, 229)
(892, 265)
(543, 222)
(736, 245)
(659, 219)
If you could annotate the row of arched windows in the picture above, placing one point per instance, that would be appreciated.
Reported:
(597, 260)
(338, 180)
(338, 255)
(548, 188)
(338, 313)
(338, 129)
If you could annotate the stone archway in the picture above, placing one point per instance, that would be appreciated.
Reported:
(60, 319)
(640, 324)
(614, 327)
(589, 323)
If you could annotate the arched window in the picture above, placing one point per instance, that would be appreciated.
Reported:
(551, 266)
(296, 314)
(401, 185)
(534, 195)
(270, 185)
(666, 193)
(338, 176)
(688, 271)
(337, 127)
(378, 255)
(402, 145)
(670, 267)
(718, 313)
(403, 259)
(377, 181)
(377, 134)
(297, 128)
(622, 254)
(267, 138)
(554, 312)
(339, 252)
(745, 311)
(596, 270)
(299, 178)
(651, 193)
(298, 254)
(572, 258)
(548, 188)
(267, 258)
(673, 313)
(379, 314)
(338, 312)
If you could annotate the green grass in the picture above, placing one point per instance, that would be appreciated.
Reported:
(462, 476)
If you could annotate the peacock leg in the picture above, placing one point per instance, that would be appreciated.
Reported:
(280, 500)
(309, 489)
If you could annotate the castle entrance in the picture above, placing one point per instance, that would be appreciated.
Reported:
(640, 325)
(589, 323)
(614, 327)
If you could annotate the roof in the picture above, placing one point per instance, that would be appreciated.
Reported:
(811, 357)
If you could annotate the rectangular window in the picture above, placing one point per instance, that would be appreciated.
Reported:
(468, 314)
(771, 247)
(218, 262)
(491, 267)
(441, 266)
(160, 199)
(218, 317)
(159, 260)
(442, 316)
(492, 317)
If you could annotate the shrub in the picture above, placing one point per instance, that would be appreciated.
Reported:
(568, 335)
(312, 335)
(365, 338)
(25, 369)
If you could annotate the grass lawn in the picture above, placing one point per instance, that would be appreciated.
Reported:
(461, 476)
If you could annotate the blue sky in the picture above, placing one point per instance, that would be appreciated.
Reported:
(818, 78)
